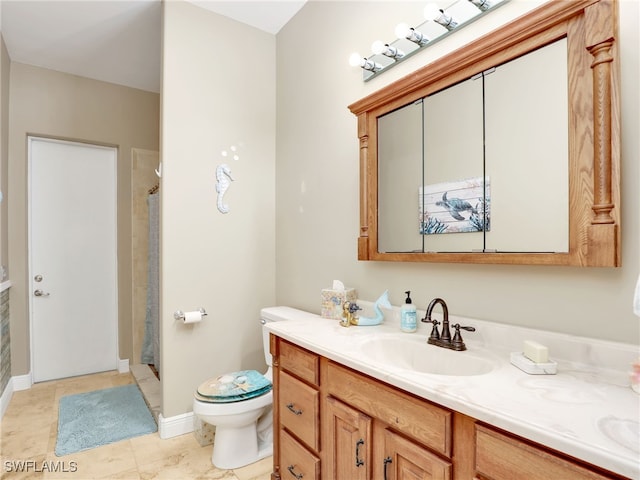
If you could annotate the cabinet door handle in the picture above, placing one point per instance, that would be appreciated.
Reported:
(294, 410)
(386, 461)
(359, 462)
(298, 476)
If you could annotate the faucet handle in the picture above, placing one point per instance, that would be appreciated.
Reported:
(457, 342)
(459, 327)
(435, 334)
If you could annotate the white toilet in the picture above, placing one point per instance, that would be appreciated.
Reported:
(244, 432)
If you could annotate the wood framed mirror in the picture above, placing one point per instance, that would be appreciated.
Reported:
(589, 30)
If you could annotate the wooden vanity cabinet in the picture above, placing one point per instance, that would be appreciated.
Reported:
(500, 456)
(296, 415)
(371, 430)
(333, 423)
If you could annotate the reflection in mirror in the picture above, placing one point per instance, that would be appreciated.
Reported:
(526, 111)
(453, 161)
(399, 174)
(488, 170)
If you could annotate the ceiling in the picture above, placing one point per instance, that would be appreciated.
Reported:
(116, 41)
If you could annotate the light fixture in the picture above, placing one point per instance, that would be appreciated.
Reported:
(483, 5)
(455, 15)
(380, 48)
(356, 60)
(432, 12)
(405, 31)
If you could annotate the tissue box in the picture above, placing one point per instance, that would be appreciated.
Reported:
(332, 301)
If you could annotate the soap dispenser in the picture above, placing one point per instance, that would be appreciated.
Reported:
(408, 316)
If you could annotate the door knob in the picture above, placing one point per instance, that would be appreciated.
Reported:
(40, 293)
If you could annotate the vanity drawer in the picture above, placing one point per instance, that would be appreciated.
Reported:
(423, 421)
(299, 407)
(503, 457)
(299, 361)
(296, 461)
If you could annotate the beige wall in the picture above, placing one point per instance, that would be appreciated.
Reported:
(218, 90)
(50, 103)
(317, 185)
(5, 67)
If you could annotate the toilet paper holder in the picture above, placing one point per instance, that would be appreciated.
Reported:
(179, 314)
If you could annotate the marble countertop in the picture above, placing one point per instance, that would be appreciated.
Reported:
(587, 410)
(5, 285)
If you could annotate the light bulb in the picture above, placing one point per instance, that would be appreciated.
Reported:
(402, 30)
(381, 48)
(431, 11)
(378, 47)
(355, 59)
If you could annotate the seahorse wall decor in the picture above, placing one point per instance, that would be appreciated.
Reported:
(223, 175)
(382, 301)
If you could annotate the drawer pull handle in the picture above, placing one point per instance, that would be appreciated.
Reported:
(359, 462)
(298, 476)
(294, 410)
(386, 461)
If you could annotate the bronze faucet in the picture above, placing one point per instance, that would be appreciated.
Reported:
(444, 340)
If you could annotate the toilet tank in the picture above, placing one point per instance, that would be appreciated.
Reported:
(278, 314)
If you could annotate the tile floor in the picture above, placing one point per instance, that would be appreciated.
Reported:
(149, 386)
(28, 438)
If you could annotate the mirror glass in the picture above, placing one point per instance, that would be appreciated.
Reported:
(482, 165)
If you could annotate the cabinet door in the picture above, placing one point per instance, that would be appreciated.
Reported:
(346, 442)
(406, 460)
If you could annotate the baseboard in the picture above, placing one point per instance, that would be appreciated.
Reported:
(123, 365)
(20, 382)
(7, 393)
(174, 426)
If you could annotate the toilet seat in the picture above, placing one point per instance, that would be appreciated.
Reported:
(233, 387)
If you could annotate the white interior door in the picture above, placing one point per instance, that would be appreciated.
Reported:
(73, 294)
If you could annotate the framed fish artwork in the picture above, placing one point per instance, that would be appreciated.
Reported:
(455, 207)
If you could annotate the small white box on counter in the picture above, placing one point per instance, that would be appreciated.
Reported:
(535, 351)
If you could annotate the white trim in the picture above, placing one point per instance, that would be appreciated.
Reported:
(123, 365)
(6, 397)
(21, 382)
(174, 426)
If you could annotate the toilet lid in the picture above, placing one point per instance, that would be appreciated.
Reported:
(233, 387)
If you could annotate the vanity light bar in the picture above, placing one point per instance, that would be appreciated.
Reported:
(381, 48)
(355, 60)
(440, 22)
(483, 5)
(404, 31)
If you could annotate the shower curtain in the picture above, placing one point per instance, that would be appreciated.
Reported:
(151, 341)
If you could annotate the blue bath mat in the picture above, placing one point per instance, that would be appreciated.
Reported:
(89, 420)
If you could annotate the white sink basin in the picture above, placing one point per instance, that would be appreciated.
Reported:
(416, 355)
